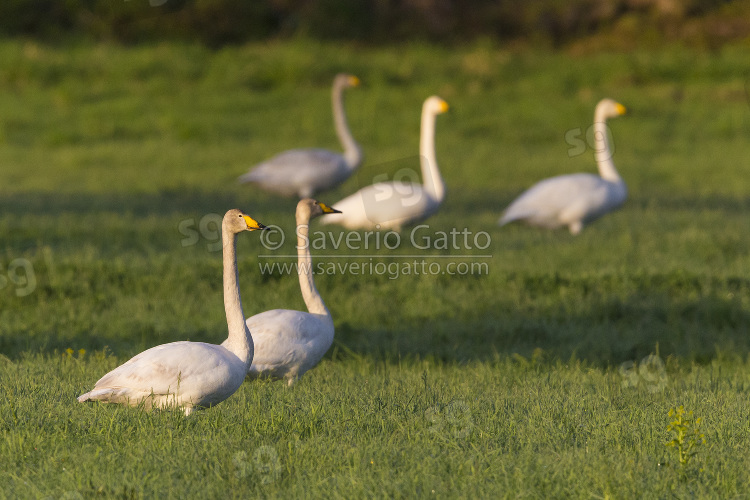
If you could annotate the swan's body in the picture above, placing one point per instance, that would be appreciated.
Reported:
(304, 172)
(179, 374)
(391, 205)
(189, 375)
(288, 343)
(575, 199)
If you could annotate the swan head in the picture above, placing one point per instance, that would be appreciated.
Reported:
(235, 221)
(608, 108)
(435, 105)
(308, 208)
(344, 80)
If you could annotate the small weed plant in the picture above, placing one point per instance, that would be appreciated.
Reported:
(687, 437)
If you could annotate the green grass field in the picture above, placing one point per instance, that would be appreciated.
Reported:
(551, 375)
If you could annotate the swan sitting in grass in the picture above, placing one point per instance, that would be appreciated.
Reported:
(304, 172)
(391, 205)
(189, 375)
(575, 199)
(288, 343)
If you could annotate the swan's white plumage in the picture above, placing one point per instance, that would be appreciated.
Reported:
(179, 374)
(386, 205)
(304, 172)
(189, 375)
(392, 205)
(288, 343)
(567, 200)
(575, 199)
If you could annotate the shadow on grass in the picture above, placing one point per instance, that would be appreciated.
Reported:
(603, 332)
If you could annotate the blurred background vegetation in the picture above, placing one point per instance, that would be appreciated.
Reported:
(550, 23)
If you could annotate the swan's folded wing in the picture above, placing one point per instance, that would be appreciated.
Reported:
(296, 168)
(547, 198)
(285, 338)
(384, 203)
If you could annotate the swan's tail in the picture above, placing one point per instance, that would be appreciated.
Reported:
(508, 218)
(110, 395)
(95, 395)
(248, 177)
(515, 212)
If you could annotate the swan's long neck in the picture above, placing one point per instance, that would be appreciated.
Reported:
(239, 340)
(352, 150)
(603, 154)
(431, 178)
(313, 300)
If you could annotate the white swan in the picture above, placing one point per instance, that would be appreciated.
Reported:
(288, 343)
(304, 172)
(575, 199)
(391, 205)
(189, 375)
